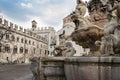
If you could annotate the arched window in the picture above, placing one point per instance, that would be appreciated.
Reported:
(7, 36)
(15, 50)
(22, 40)
(45, 52)
(29, 42)
(13, 38)
(34, 50)
(25, 41)
(21, 50)
(33, 43)
(7, 48)
(26, 51)
(17, 39)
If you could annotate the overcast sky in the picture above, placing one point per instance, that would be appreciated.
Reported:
(45, 12)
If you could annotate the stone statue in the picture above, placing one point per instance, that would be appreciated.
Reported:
(107, 41)
(86, 36)
(80, 8)
(64, 48)
(69, 51)
(34, 67)
(104, 2)
(117, 8)
(58, 49)
(78, 15)
(109, 7)
(62, 38)
(66, 51)
(111, 39)
(107, 44)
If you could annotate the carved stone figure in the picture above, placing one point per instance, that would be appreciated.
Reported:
(109, 14)
(69, 51)
(58, 49)
(80, 8)
(97, 12)
(34, 67)
(111, 34)
(66, 51)
(107, 44)
(62, 39)
(87, 36)
(64, 48)
(117, 8)
(78, 15)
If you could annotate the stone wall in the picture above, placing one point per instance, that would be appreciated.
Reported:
(80, 68)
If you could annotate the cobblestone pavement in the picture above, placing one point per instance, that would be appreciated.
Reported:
(15, 72)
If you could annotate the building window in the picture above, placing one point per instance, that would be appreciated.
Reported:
(13, 38)
(29, 42)
(21, 50)
(7, 48)
(22, 40)
(45, 52)
(15, 50)
(25, 41)
(26, 51)
(33, 43)
(7, 36)
(48, 52)
(17, 39)
(34, 50)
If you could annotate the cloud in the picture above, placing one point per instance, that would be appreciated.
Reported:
(45, 12)
(50, 14)
(26, 5)
(42, 1)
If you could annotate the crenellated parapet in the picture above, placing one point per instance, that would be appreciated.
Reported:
(4, 23)
(46, 29)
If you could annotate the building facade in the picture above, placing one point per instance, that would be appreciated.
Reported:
(50, 34)
(20, 44)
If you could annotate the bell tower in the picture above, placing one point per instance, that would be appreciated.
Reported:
(34, 25)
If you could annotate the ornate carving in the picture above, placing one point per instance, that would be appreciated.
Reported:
(78, 15)
(97, 11)
(86, 36)
(111, 39)
(64, 48)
